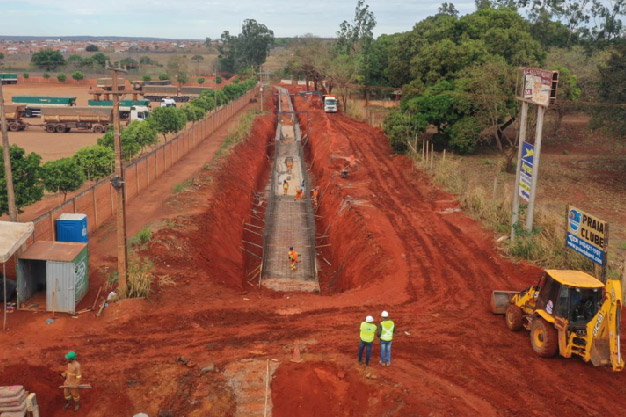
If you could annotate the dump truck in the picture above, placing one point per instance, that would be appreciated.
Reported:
(6, 78)
(14, 114)
(192, 92)
(159, 92)
(107, 84)
(569, 312)
(34, 104)
(330, 104)
(126, 106)
(63, 119)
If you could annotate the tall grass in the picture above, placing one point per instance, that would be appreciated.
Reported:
(237, 133)
(544, 245)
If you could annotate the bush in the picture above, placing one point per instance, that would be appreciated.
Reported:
(46, 75)
(26, 75)
(201, 80)
(164, 76)
(78, 75)
(61, 77)
(218, 79)
(146, 77)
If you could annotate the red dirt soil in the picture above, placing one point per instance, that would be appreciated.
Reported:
(391, 247)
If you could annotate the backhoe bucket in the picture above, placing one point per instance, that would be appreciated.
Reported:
(500, 300)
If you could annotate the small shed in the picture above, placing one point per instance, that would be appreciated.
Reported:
(61, 269)
(12, 236)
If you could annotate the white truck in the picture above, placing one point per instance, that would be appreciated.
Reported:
(330, 104)
(168, 102)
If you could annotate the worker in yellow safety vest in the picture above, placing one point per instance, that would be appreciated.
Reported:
(285, 187)
(368, 330)
(385, 333)
(72, 378)
(293, 258)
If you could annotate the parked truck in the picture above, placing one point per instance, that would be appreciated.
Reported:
(63, 119)
(14, 114)
(34, 104)
(158, 92)
(8, 78)
(126, 106)
(330, 104)
(107, 84)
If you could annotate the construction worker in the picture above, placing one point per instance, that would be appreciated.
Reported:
(293, 258)
(385, 333)
(298, 194)
(285, 187)
(315, 192)
(368, 330)
(72, 378)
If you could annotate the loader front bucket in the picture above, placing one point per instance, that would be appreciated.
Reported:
(500, 300)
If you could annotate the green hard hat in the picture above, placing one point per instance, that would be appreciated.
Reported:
(70, 355)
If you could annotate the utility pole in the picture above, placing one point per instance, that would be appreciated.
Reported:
(6, 153)
(215, 83)
(118, 183)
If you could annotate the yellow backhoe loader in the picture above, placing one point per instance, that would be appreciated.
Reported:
(568, 311)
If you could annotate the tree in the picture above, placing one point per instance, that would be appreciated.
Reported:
(130, 147)
(201, 80)
(61, 77)
(99, 59)
(142, 133)
(63, 175)
(129, 63)
(353, 37)
(46, 75)
(218, 79)
(182, 77)
(78, 76)
(167, 120)
(164, 76)
(75, 61)
(48, 59)
(612, 93)
(193, 112)
(568, 91)
(197, 58)
(449, 9)
(250, 48)
(91, 48)
(26, 75)
(26, 183)
(146, 77)
(95, 161)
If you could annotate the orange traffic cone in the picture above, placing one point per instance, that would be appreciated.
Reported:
(296, 353)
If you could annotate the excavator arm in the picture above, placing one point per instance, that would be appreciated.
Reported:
(603, 331)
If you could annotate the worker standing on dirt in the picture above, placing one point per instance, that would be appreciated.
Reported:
(72, 378)
(368, 330)
(285, 187)
(315, 191)
(293, 258)
(385, 333)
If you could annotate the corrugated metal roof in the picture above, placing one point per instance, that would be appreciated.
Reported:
(575, 278)
(53, 251)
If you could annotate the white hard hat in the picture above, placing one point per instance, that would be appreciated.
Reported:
(384, 314)
(369, 319)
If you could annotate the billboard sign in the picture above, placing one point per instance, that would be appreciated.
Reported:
(587, 235)
(526, 170)
(538, 85)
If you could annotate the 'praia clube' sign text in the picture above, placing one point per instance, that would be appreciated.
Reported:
(586, 235)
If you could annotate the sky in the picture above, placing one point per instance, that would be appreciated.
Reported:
(199, 19)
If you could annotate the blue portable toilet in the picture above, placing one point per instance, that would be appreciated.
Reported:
(72, 227)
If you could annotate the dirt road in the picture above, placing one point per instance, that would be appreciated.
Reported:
(391, 245)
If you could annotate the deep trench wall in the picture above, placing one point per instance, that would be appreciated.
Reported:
(221, 228)
(355, 254)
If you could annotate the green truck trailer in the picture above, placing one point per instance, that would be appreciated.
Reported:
(34, 104)
(8, 78)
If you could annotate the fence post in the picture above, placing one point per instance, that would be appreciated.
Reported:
(137, 175)
(95, 206)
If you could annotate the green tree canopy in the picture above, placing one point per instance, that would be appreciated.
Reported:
(167, 120)
(250, 48)
(48, 59)
(612, 93)
(63, 175)
(27, 186)
(95, 161)
(193, 112)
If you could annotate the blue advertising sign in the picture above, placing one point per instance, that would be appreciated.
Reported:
(526, 170)
(586, 235)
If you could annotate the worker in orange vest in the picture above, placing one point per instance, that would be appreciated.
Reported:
(293, 258)
(72, 378)
(315, 191)
(285, 187)
(298, 194)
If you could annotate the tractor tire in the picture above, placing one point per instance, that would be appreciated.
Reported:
(14, 127)
(50, 128)
(59, 129)
(543, 338)
(98, 129)
(513, 317)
